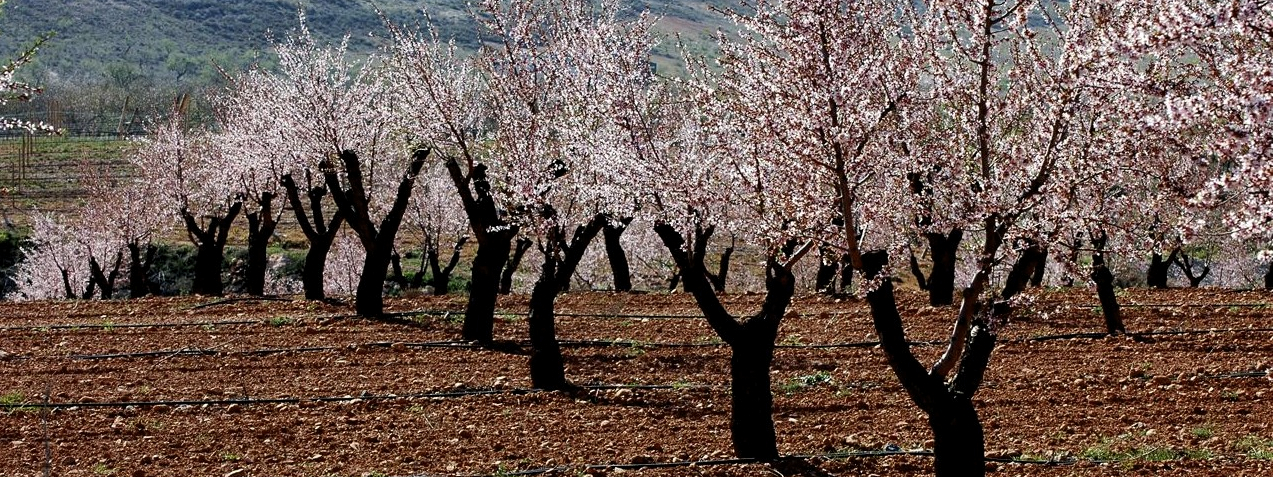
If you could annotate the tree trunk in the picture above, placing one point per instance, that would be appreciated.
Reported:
(105, 281)
(1029, 260)
(722, 276)
(1036, 279)
(547, 371)
(210, 242)
(494, 241)
(918, 273)
(261, 225)
(941, 280)
(139, 269)
(828, 266)
(1156, 276)
(1105, 288)
(751, 342)
(369, 298)
(1185, 262)
(1268, 278)
(377, 239)
(573, 251)
(959, 442)
(319, 231)
(751, 422)
(479, 317)
(616, 256)
(846, 274)
(506, 276)
(441, 276)
(312, 275)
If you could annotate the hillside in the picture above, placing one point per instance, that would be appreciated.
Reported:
(123, 41)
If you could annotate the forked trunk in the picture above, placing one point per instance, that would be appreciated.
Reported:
(506, 277)
(751, 342)
(959, 443)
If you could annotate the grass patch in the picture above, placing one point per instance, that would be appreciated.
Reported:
(1255, 447)
(800, 383)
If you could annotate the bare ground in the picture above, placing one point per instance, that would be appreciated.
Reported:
(254, 388)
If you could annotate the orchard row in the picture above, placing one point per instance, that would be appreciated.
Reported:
(858, 130)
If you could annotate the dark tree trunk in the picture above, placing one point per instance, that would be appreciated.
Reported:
(1028, 262)
(261, 225)
(675, 279)
(312, 276)
(1185, 262)
(941, 280)
(720, 278)
(1105, 287)
(828, 268)
(441, 276)
(395, 275)
(547, 371)
(479, 319)
(319, 231)
(66, 285)
(377, 239)
(751, 342)
(139, 269)
(210, 242)
(959, 442)
(617, 257)
(494, 241)
(846, 273)
(1036, 279)
(918, 273)
(1268, 278)
(104, 281)
(369, 298)
(506, 277)
(1156, 276)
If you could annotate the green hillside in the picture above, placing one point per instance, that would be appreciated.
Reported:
(178, 41)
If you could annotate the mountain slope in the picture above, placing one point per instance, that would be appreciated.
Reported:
(178, 40)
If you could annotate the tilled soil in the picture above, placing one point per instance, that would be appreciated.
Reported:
(238, 387)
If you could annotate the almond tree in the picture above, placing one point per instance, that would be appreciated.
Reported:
(563, 71)
(1218, 111)
(188, 166)
(436, 214)
(332, 113)
(1015, 107)
(439, 99)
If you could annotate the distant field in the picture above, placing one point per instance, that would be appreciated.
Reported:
(45, 172)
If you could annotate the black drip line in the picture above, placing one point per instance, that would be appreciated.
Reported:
(890, 451)
(608, 343)
(245, 401)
